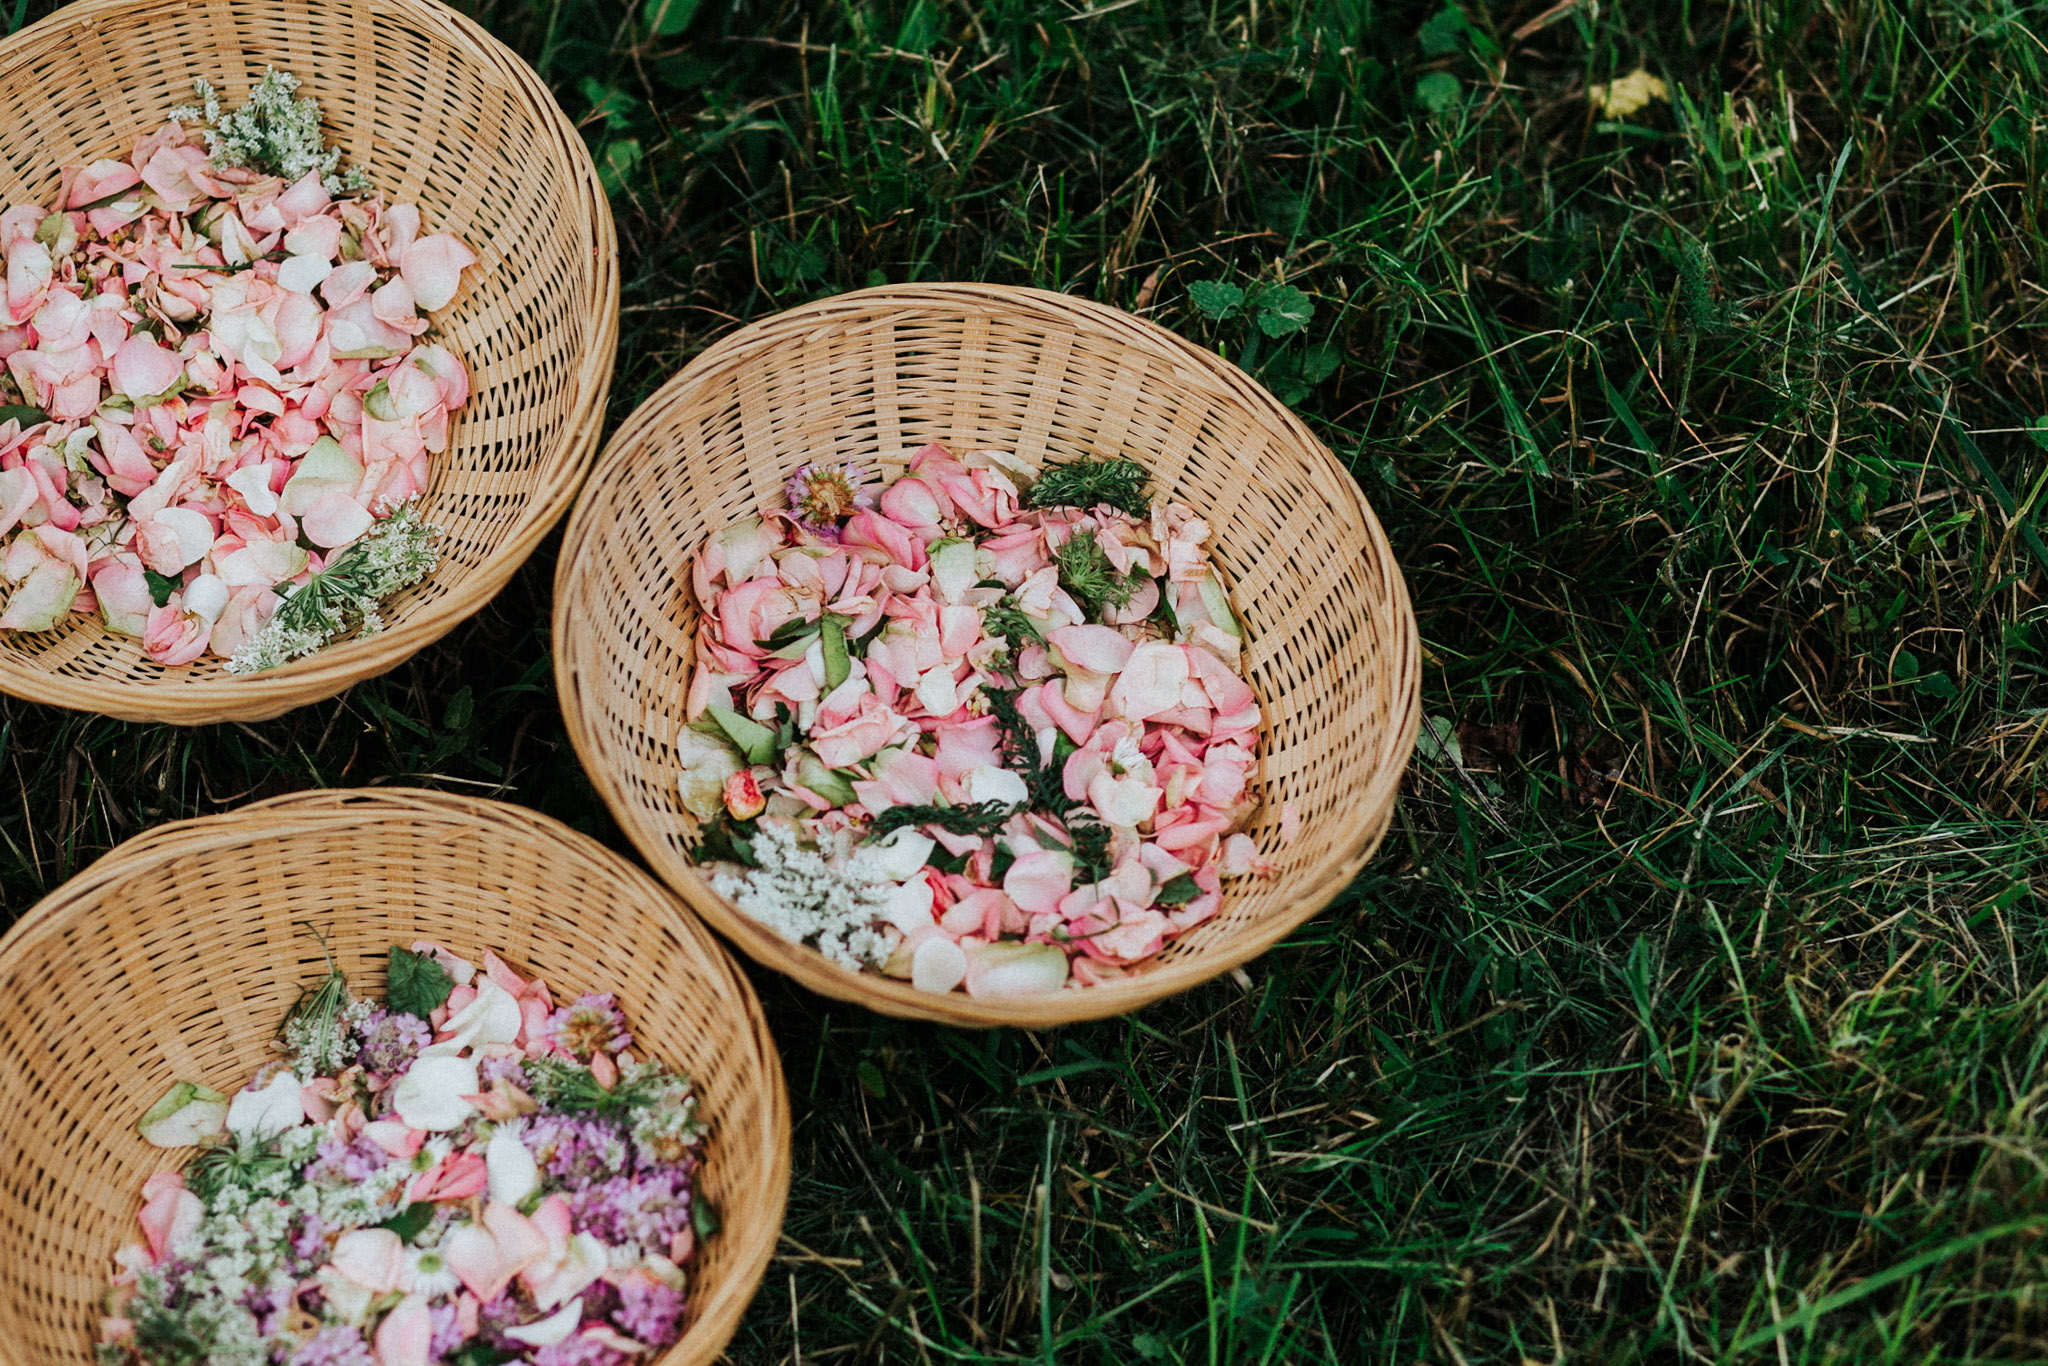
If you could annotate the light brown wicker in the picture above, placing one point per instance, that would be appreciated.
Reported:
(176, 955)
(869, 377)
(447, 118)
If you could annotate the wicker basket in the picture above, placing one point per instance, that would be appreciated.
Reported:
(177, 954)
(869, 377)
(445, 116)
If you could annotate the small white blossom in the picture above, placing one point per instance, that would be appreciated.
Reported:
(804, 898)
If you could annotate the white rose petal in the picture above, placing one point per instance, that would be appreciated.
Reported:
(992, 784)
(552, 1329)
(259, 1114)
(935, 692)
(938, 965)
(430, 1095)
(909, 907)
(513, 1173)
(206, 597)
(253, 483)
(903, 853)
(493, 1017)
(1010, 972)
(302, 274)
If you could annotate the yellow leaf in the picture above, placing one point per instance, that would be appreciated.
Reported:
(1631, 93)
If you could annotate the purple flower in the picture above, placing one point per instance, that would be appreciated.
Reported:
(820, 498)
(339, 1346)
(495, 1316)
(589, 1025)
(649, 1312)
(648, 1209)
(309, 1243)
(577, 1150)
(577, 1350)
(345, 1163)
(389, 1040)
(447, 1332)
(491, 1071)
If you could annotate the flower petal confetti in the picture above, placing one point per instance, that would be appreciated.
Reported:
(220, 397)
(496, 1180)
(983, 729)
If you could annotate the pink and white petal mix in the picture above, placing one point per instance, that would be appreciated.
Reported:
(959, 738)
(502, 1173)
(214, 381)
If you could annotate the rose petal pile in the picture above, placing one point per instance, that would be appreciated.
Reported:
(503, 1173)
(219, 380)
(936, 649)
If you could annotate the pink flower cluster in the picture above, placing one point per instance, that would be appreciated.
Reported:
(505, 1172)
(979, 673)
(214, 371)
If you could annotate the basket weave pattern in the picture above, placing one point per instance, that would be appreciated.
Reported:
(869, 377)
(445, 117)
(176, 956)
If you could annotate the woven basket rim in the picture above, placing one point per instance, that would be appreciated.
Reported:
(713, 1323)
(808, 966)
(205, 692)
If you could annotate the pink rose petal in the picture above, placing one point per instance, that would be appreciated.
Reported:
(433, 267)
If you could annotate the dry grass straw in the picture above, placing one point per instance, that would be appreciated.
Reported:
(176, 956)
(446, 117)
(869, 377)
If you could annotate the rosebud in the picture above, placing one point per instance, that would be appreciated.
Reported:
(743, 796)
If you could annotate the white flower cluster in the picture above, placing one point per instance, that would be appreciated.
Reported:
(666, 1125)
(322, 1047)
(276, 133)
(391, 555)
(807, 899)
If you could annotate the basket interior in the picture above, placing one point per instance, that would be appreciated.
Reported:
(439, 123)
(1329, 635)
(182, 967)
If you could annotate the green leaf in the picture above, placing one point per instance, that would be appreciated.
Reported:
(28, 415)
(607, 102)
(617, 162)
(161, 586)
(1284, 310)
(871, 1079)
(1439, 92)
(1444, 32)
(1318, 363)
(704, 1218)
(1937, 685)
(667, 18)
(1178, 891)
(755, 740)
(415, 983)
(474, 1353)
(1215, 298)
(461, 709)
(791, 631)
(2038, 429)
(408, 1222)
(837, 665)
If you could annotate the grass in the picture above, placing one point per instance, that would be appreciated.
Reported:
(1695, 1009)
